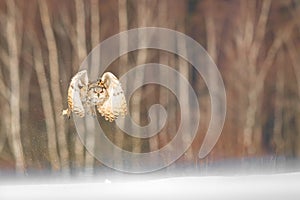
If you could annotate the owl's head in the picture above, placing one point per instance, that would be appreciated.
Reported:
(96, 93)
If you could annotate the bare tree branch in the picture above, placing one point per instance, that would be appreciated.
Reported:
(249, 32)
(260, 30)
(276, 45)
(259, 82)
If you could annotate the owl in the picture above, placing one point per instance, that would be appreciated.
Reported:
(105, 95)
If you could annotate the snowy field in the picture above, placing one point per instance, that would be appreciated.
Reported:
(278, 186)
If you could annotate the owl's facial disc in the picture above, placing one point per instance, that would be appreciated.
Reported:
(96, 93)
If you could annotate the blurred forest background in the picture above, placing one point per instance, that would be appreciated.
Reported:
(255, 44)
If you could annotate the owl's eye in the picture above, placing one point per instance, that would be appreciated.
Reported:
(97, 90)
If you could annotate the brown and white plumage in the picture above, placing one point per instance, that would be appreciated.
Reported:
(115, 105)
(77, 94)
(106, 94)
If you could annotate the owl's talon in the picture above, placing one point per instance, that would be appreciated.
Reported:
(66, 112)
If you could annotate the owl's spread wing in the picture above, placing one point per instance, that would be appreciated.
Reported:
(115, 105)
(77, 93)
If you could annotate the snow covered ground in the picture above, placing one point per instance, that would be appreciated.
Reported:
(277, 186)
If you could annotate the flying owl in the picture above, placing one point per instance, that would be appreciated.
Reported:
(105, 95)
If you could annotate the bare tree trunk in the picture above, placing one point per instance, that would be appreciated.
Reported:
(15, 136)
(143, 16)
(95, 39)
(54, 84)
(4, 90)
(211, 45)
(5, 93)
(235, 50)
(70, 31)
(211, 32)
(184, 98)
(294, 56)
(46, 103)
(5, 127)
(278, 139)
(4, 56)
(123, 62)
(163, 138)
(25, 114)
(82, 52)
(260, 77)
(250, 43)
(80, 29)
(95, 23)
(254, 42)
(164, 99)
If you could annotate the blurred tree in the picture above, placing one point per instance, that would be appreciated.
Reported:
(13, 53)
(255, 44)
(54, 84)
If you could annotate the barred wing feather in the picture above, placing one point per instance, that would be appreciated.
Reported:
(115, 105)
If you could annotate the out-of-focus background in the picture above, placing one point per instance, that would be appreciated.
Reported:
(255, 44)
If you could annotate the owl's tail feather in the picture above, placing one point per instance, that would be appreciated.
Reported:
(66, 112)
